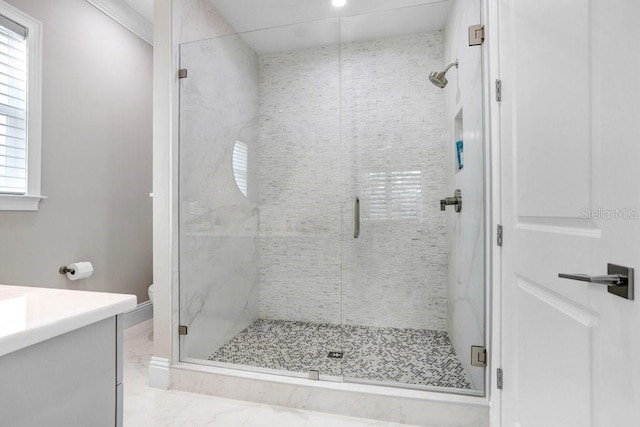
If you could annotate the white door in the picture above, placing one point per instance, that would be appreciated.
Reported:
(570, 137)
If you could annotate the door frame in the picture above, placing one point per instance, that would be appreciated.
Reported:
(493, 208)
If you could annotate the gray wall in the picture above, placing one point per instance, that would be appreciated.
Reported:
(96, 157)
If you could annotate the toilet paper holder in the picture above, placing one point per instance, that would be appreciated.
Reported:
(64, 270)
(77, 270)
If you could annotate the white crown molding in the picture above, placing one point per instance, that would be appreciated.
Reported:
(124, 15)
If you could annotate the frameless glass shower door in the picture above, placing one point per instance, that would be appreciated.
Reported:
(313, 158)
(413, 299)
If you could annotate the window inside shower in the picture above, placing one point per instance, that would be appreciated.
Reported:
(313, 155)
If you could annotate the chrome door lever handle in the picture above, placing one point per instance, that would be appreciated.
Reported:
(619, 280)
(609, 279)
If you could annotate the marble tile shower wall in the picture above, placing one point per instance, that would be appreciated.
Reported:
(393, 131)
(218, 224)
(466, 289)
(364, 121)
(300, 255)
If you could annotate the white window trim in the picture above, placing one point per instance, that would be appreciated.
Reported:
(31, 200)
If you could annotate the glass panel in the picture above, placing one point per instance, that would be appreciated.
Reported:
(313, 158)
(218, 224)
(413, 293)
(260, 276)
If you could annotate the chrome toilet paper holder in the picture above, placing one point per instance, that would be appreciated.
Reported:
(64, 270)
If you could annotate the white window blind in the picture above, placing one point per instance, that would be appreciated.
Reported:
(13, 107)
(394, 195)
(240, 165)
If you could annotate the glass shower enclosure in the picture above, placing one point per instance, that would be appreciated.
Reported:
(313, 158)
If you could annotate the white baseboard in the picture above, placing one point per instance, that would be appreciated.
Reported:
(144, 311)
(159, 373)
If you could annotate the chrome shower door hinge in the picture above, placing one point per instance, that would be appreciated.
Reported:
(478, 356)
(499, 235)
(182, 330)
(182, 73)
(476, 35)
(498, 90)
(499, 378)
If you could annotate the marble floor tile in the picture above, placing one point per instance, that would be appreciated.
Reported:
(149, 407)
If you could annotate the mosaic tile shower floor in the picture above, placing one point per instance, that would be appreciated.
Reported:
(408, 356)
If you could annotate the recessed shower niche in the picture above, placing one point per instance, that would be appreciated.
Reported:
(313, 245)
(459, 142)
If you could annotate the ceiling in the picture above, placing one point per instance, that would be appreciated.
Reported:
(270, 26)
(249, 15)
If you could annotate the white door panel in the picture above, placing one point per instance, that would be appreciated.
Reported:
(551, 67)
(562, 391)
(570, 120)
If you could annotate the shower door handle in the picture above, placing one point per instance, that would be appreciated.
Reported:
(356, 217)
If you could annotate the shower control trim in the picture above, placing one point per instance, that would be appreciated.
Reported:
(455, 201)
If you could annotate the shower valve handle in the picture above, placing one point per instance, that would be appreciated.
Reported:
(456, 201)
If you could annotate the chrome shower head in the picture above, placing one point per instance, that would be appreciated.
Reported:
(438, 78)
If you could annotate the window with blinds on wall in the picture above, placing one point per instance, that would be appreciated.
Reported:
(241, 166)
(394, 195)
(13, 107)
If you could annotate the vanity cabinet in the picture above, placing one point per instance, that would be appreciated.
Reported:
(69, 379)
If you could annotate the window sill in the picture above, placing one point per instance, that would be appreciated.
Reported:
(10, 202)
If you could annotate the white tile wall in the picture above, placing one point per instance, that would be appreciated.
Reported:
(317, 153)
(218, 224)
(195, 20)
(300, 255)
(466, 288)
(393, 122)
(330, 119)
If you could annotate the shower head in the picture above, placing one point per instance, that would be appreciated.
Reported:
(438, 78)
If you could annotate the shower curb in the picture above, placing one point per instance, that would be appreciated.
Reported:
(389, 404)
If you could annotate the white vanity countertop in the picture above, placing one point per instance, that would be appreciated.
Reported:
(32, 315)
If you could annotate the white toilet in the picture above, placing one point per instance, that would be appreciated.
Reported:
(150, 292)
